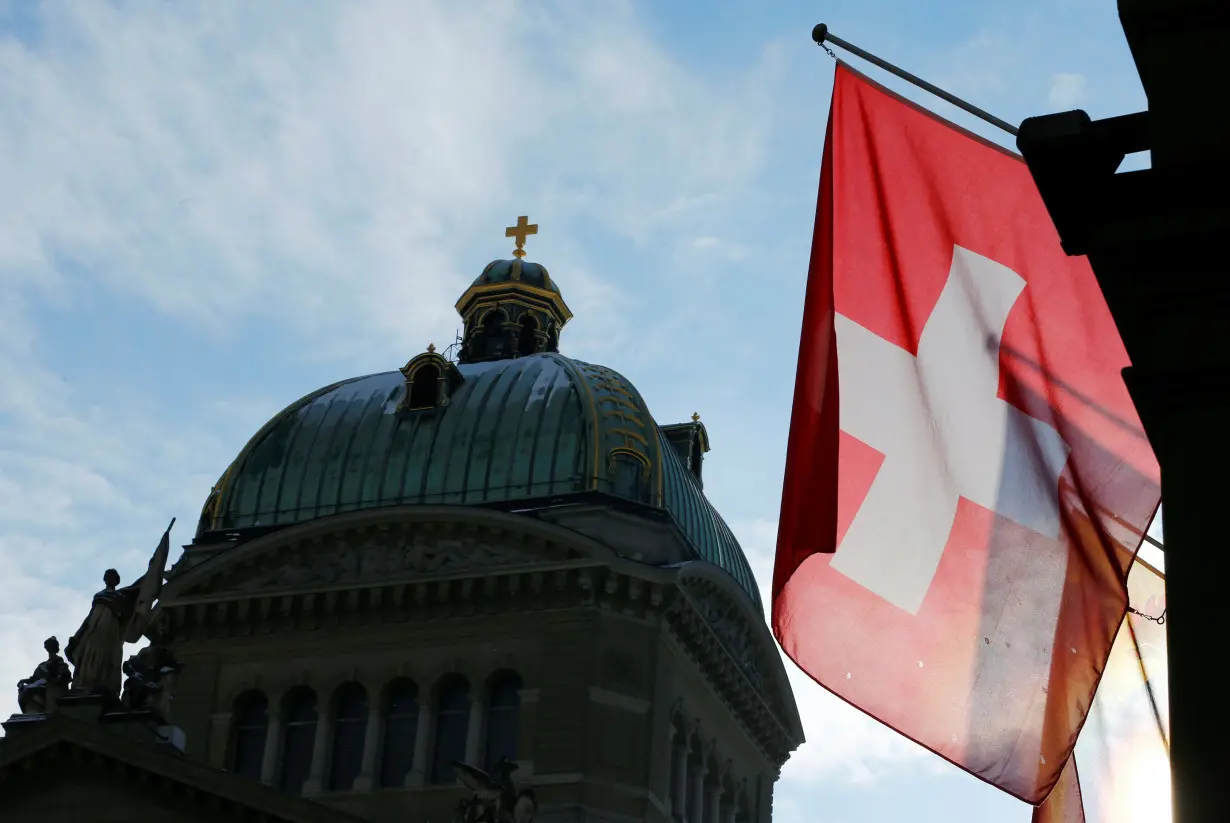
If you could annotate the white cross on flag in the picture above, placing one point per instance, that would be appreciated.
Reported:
(967, 480)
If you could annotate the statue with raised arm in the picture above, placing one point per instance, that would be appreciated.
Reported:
(117, 616)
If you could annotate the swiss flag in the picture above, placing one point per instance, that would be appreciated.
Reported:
(967, 480)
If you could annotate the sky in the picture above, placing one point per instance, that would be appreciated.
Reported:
(209, 209)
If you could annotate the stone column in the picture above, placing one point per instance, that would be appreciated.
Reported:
(527, 743)
(422, 747)
(273, 744)
(219, 739)
(713, 804)
(371, 745)
(697, 814)
(320, 748)
(679, 790)
(474, 733)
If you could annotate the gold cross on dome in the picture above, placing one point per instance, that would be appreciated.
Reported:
(520, 231)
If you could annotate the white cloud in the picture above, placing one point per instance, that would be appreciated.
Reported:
(708, 246)
(328, 173)
(196, 157)
(1067, 90)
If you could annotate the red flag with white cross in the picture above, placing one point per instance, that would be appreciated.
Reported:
(967, 480)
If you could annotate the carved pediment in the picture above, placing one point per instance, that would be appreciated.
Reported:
(381, 560)
(360, 558)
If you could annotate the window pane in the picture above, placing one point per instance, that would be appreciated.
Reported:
(251, 724)
(349, 734)
(452, 726)
(298, 741)
(503, 721)
(400, 729)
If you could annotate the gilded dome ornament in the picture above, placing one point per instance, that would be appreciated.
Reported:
(520, 231)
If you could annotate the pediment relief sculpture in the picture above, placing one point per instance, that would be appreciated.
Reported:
(375, 560)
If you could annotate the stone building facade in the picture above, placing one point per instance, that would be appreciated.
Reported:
(493, 555)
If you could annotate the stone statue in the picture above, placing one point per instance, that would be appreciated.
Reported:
(495, 799)
(37, 692)
(117, 616)
(151, 673)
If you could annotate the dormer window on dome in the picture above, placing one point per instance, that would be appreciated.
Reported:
(513, 309)
(430, 378)
(690, 441)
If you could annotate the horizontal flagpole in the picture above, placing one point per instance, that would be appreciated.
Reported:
(822, 35)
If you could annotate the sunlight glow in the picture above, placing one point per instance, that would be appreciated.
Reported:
(1141, 793)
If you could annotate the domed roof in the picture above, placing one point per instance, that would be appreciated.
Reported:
(534, 428)
(506, 271)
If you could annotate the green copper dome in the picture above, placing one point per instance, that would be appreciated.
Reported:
(532, 428)
(505, 271)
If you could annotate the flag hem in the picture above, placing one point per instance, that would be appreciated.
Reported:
(921, 109)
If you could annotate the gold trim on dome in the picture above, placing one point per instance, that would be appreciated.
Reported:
(625, 451)
(480, 290)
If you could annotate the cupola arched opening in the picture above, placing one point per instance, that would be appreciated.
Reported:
(493, 322)
(528, 342)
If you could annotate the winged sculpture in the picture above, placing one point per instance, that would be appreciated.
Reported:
(495, 799)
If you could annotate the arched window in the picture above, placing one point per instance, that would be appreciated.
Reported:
(424, 388)
(552, 338)
(251, 714)
(349, 731)
(298, 739)
(452, 726)
(629, 476)
(528, 344)
(503, 719)
(401, 724)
